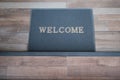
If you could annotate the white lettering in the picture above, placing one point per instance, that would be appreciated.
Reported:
(49, 30)
(42, 29)
(61, 29)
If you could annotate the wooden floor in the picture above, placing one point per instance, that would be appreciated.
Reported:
(14, 32)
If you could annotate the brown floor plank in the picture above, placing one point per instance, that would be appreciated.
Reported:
(93, 3)
(44, 61)
(13, 47)
(107, 41)
(93, 71)
(37, 72)
(3, 72)
(10, 61)
(32, 0)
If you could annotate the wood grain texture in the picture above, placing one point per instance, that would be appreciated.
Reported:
(107, 22)
(14, 32)
(94, 3)
(107, 41)
(62, 68)
(3, 72)
(98, 71)
(93, 68)
(10, 61)
(37, 72)
(33, 0)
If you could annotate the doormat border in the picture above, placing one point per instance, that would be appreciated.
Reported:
(59, 53)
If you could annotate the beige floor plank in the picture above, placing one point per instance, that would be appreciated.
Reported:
(107, 41)
(45, 61)
(93, 3)
(37, 72)
(32, 0)
(100, 61)
(14, 38)
(13, 47)
(93, 71)
(3, 72)
(10, 61)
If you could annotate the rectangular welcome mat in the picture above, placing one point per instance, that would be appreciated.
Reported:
(62, 30)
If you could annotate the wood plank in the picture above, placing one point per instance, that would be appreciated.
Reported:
(107, 41)
(108, 61)
(32, 5)
(14, 38)
(107, 22)
(21, 72)
(32, 0)
(105, 68)
(93, 3)
(93, 68)
(93, 71)
(14, 12)
(77, 61)
(14, 20)
(112, 17)
(44, 61)
(106, 25)
(93, 78)
(13, 47)
(10, 61)
(106, 10)
(3, 71)
(100, 61)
